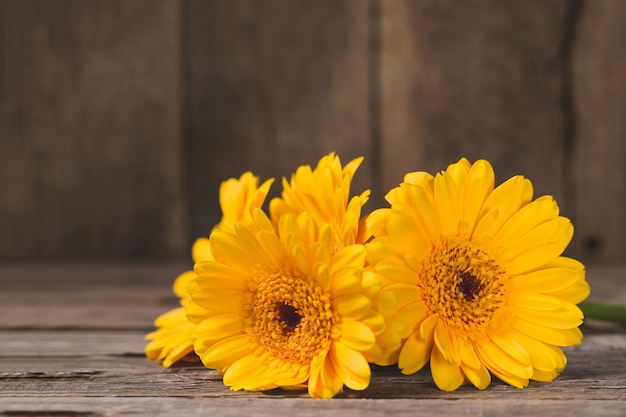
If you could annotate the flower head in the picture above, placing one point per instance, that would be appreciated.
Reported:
(324, 193)
(478, 275)
(280, 308)
(173, 339)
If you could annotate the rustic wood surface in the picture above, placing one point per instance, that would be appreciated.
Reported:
(90, 160)
(599, 93)
(120, 118)
(71, 346)
(273, 85)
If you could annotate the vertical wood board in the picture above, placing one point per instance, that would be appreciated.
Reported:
(273, 85)
(599, 74)
(90, 128)
(480, 79)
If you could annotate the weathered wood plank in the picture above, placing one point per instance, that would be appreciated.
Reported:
(91, 159)
(269, 407)
(93, 372)
(599, 77)
(105, 363)
(88, 296)
(481, 79)
(57, 344)
(273, 85)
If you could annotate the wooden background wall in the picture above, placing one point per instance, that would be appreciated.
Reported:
(119, 118)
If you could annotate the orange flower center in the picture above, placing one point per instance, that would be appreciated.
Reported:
(463, 284)
(291, 316)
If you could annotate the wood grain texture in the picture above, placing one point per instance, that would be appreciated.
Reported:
(108, 368)
(119, 119)
(480, 79)
(91, 370)
(273, 85)
(86, 296)
(270, 407)
(90, 166)
(599, 76)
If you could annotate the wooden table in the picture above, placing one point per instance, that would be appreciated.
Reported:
(71, 344)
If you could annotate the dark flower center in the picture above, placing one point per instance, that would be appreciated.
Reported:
(288, 316)
(469, 285)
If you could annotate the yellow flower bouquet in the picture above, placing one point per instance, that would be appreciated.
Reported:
(457, 273)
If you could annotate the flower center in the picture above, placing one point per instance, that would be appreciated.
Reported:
(291, 316)
(463, 284)
(288, 316)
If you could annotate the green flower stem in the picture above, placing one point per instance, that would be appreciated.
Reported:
(603, 311)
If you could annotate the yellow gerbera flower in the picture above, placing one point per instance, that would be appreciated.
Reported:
(173, 341)
(478, 276)
(324, 193)
(279, 308)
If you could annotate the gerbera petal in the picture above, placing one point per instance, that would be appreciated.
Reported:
(544, 376)
(181, 282)
(403, 293)
(226, 249)
(446, 376)
(468, 356)
(247, 373)
(422, 179)
(357, 370)
(550, 231)
(352, 306)
(396, 270)
(511, 347)
(559, 319)
(220, 327)
(485, 224)
(447, 203)
(479, 377)
(414, 354)
(546, 280)
(422, 203)
(321, 273)
(349, 283)
(534, 258)
(504, 365)
(374, 321)
(559, 337)
(411, 313)
(326, 380)
(478, 185)
(427, 328)
(379, 250)
(350, 256)
(272, 245)
(574, 293)
(527, 218)
(459, 170)
(208, 272)
(542, 302)
(404, 235)
(356, 335)
(506, 198)
(542, 356)
(227, 351)
(224, 298)
(557, 231)
(446, 346)
(201, 250)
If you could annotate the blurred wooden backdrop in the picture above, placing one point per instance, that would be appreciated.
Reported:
(119, 118)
